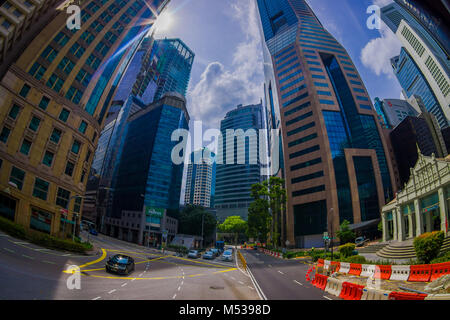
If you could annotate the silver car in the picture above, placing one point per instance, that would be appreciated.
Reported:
(227, 256)
(193, 254)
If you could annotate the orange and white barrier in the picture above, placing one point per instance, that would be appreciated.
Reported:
(400, 273)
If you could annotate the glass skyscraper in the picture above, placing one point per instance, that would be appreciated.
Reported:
(392, 111)
(334, 154)
(201, 179)
(235, 177)
(175, 61)
(423, 67)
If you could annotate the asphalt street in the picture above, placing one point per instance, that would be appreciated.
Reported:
(282, 279)
(30, 272)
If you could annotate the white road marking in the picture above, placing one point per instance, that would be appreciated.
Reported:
(280, 272)
(133, 279)
(9, 250)
(241, 282)
(28, 257)
(233, 278)
(20, 242)
(298, 282)
(270, 266)
(49, 262)
(182, 282)
(251, 287)
(112, 291)
(179, 288)
(327, 298)
(174, 296)
(124, 284)
(97, 298)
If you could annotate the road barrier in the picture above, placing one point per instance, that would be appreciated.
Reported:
(406, 296)
(383, 272)
(439, 269)
(334, 286)
(320, 263)
(355, 269)
(320, 281)
(351, 291)
(326, 265)
(367, 270)
(420, 273)
(241, 257)
(344, 267)
(400, 273)
(336, 266)
(374, 294)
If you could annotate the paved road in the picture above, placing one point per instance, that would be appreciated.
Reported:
(28, 271)
(282, 279)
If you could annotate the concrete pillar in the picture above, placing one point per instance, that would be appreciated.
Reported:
(428, 222)
(410, 224)
(419, 224)
(385, 230)
(400, 225)
(443, 208)
(394, 220)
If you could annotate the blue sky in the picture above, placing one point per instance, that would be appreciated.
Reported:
(227, 71)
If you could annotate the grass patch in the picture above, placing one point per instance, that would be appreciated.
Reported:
(43, 239)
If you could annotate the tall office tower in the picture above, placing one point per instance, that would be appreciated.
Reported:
(422, 67)
(238, 165)
(416, 132)
(145, 174)
(201, 179)
(334, 153)
(392, 111)
(175, 61)
(54, 99)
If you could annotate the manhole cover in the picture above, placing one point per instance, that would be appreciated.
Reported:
(216, 288)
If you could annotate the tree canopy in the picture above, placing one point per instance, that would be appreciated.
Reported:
(190, 221)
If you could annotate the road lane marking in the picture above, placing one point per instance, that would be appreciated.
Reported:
(20, 242)
(12, 251)
(112, 291)
(174, 296)
(251, 287)
(124, 284)
(298, 282)
(182, 282)
(133, 279)
(261, 294)
(97, 298)
(28, 257)
(241, 282)
(179, 288)
(327, 298)
(49, 262)
(280, 272)
(233, 278)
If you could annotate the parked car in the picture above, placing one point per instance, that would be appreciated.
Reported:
(193, 254)
(361, 241)
(93, 232)
(209, 255)
(227, 255)
(120, 264)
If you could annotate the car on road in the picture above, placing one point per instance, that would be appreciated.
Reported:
(215, 252)
(209, 255)
(227, 255)
(120, 264)
(193, 254)
(93, 232)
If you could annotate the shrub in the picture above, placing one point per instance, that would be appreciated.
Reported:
(442, 258)
(428, 245)
(345, 234)
(346, 250)
(178, 248)
(355, 259)
(12, 228)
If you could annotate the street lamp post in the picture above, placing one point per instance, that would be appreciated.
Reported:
(76, 214)
(203, 220)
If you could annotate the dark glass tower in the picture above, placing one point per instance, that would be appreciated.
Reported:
(334, 155)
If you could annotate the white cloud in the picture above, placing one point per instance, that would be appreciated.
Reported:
(377, 53)
(221, 89)
(382, 3)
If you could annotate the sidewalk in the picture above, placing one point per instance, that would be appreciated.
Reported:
(373, 257)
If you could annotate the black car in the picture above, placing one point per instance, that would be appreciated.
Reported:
(120, 264)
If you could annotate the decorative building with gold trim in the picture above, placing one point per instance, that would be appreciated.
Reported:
(54, 97)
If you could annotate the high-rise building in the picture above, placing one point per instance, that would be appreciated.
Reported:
(238, 164)
(201, 179)
(175, 61)
(54, 99)
(145, 175)
(423, 67)
(392, 111)
(335, 163)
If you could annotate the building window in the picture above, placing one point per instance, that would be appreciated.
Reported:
(76, 147)
(56, 135)
(17, 177)
(83, 175)
(62, 198)
(48, 158)
(5, 134)
(55, 83)
(44, 103)
(25, 148)
(40, 189)
(15, 109)
(69, 168)
(34, 123)
(37, 71)
(25, 89)
(88, 155)
(83, 126)
(77, 205)
(64, 115)
(40, 220)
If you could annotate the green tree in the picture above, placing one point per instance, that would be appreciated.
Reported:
(233, 224)
(259, 218)
(190, 221)
(345, 234)
(277, 204)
